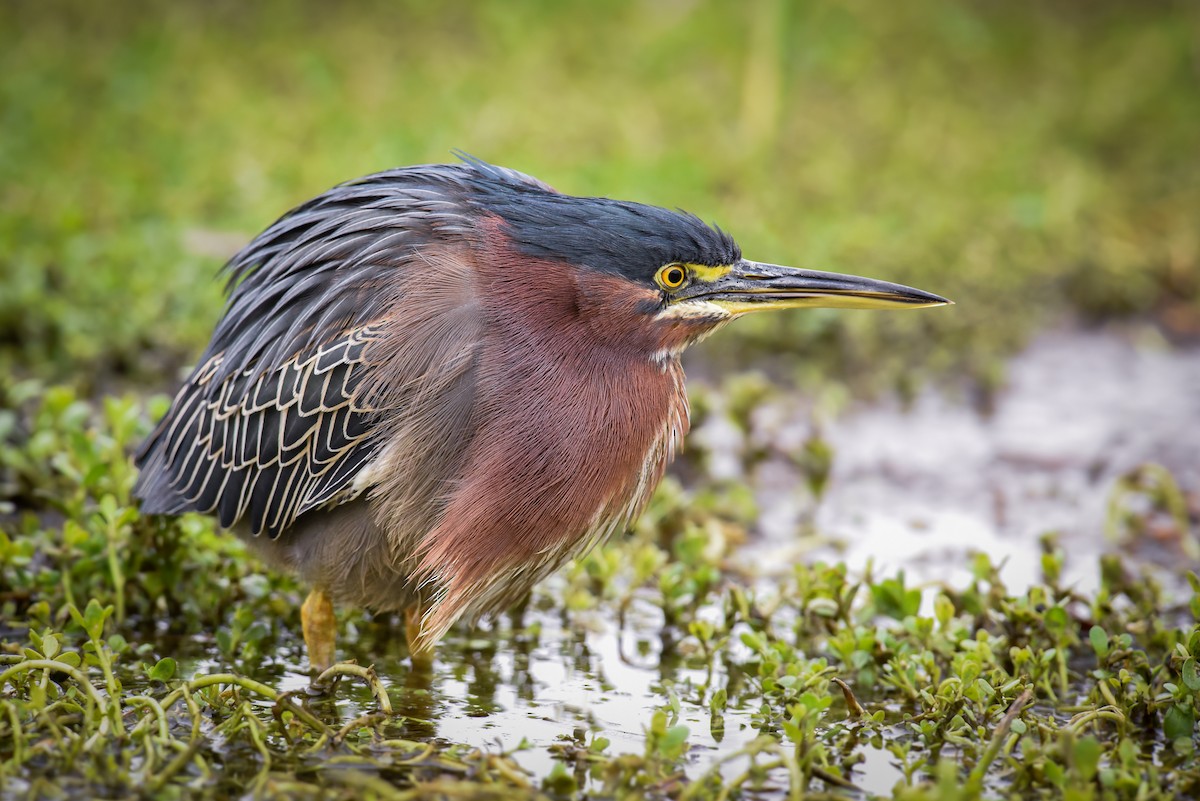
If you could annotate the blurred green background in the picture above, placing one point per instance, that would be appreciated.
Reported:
(1035, 161)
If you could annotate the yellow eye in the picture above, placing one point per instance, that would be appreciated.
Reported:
(671, 276)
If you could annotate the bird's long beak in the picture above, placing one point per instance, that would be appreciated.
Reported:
(750, 286)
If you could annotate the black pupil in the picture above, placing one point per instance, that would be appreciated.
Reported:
(675, 276)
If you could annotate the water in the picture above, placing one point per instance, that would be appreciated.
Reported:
(922, 488)
(918, 489)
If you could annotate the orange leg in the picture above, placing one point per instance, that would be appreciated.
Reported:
(422, 657)
(320, 629)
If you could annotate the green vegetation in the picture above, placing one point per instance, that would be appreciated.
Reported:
(808, 671)
(1033, 161)
(1021, 158)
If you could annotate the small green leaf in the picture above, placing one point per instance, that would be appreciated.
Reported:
(74, 534)
(1099, 638)
(1056, 619)
(754, 642)
(716, 728)
(702, 630)
(1179, 722)
(163, 671)
(674, 741)
(70, 658)
(1087, 757)
(1051, 567)
(50, 646)
(894, 600)
(943, 610)
(94, 617)
(560, 780)
(1191, 675)
(259, 630)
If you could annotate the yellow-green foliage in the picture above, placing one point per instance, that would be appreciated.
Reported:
(1020, 157)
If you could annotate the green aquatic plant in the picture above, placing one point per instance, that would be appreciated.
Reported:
(139, 653)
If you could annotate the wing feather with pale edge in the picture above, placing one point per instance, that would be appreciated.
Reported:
(267, 446)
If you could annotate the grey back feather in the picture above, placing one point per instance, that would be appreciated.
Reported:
(329, 351)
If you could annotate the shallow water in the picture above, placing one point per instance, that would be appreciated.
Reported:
(921, 488)
(918, 488)
(495, 690)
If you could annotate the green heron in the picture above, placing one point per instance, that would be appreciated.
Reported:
(432, 386)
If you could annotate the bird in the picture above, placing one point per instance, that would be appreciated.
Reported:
(432, 386)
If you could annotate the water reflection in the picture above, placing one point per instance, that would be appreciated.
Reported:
(914, 490)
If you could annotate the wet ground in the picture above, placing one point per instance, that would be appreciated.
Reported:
(918, 488)
(921, 488)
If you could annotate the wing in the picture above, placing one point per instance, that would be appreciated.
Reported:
(266, 447)
(331, 349)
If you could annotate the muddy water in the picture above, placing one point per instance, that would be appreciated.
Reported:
(922, 488)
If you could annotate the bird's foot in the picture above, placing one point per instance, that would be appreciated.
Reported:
(320, 630)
